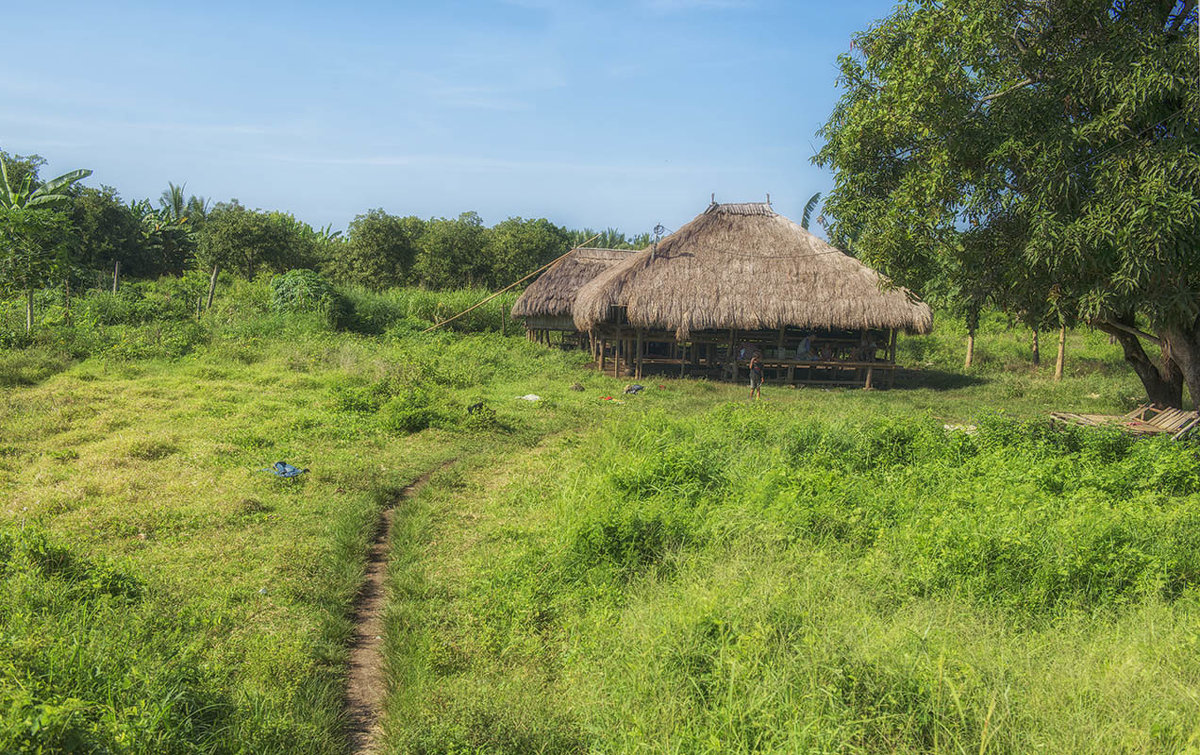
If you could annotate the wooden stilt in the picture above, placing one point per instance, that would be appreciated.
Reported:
(640, 345)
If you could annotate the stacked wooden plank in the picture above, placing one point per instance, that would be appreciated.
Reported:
(1148, 419)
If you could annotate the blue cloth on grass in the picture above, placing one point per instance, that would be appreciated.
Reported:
(283, 469)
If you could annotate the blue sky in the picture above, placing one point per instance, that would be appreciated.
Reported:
(624, 113)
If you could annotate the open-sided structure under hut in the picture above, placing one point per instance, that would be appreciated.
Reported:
(740, 279)
(546, 305)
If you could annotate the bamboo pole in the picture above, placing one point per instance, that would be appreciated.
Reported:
(547, 266)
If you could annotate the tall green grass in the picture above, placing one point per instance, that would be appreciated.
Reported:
(757, 579)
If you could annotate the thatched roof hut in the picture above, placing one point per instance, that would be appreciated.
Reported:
(746, 267)
(549, 300)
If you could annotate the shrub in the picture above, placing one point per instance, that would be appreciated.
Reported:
(306, 291)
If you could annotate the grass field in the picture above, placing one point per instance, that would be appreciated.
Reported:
(680, 571)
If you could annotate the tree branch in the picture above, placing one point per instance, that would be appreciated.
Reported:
(1105, 324)
(1002, 92)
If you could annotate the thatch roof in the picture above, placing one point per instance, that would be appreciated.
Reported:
(553, 293)
(746, 267)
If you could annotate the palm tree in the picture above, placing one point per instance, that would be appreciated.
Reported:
(173, 203)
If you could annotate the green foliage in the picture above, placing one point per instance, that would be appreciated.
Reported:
(451, 253)
(379, 251)
(1025, 155)
(24, 190)
(517, 247)
(306, 291)
(251, 241)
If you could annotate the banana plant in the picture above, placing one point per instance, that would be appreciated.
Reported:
(808, 210)
(51, 194)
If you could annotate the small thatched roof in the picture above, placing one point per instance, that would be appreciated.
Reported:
(746, 267)
(553, 293)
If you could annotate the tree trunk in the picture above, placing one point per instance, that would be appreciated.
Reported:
(28, 311)
(1062, 353)
(1037, 351)
(970, 350)
(116, 274)
(1163, 382)
(1182, 345)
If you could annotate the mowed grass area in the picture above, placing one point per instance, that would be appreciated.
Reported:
(824, 571)
(161, 594)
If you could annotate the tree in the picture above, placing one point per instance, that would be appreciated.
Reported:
(34, 250)
(517, 247)
(250, 241)
(166, 238)
(108, 230)
(379, 250)
(978, 138)
(451, 253)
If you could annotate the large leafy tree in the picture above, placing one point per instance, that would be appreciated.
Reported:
(516, 247)
(251, 241)
(1042, 155)
(451, 252)
(108, 230)
(379, 250)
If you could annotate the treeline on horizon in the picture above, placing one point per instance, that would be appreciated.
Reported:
(177, 233)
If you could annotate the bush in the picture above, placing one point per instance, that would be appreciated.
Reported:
(306, 291)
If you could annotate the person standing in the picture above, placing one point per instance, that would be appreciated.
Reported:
(756, 375)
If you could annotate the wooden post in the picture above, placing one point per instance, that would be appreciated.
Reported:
(212, 286)
(603, 354)
(116, 274)
(867, 385)
(779, 345)
(618, 343)
(732, 357)
(892, 346)
(1062, 353)
(638, 371)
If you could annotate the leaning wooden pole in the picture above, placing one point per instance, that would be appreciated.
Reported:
(212, 286)
(511, 285)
